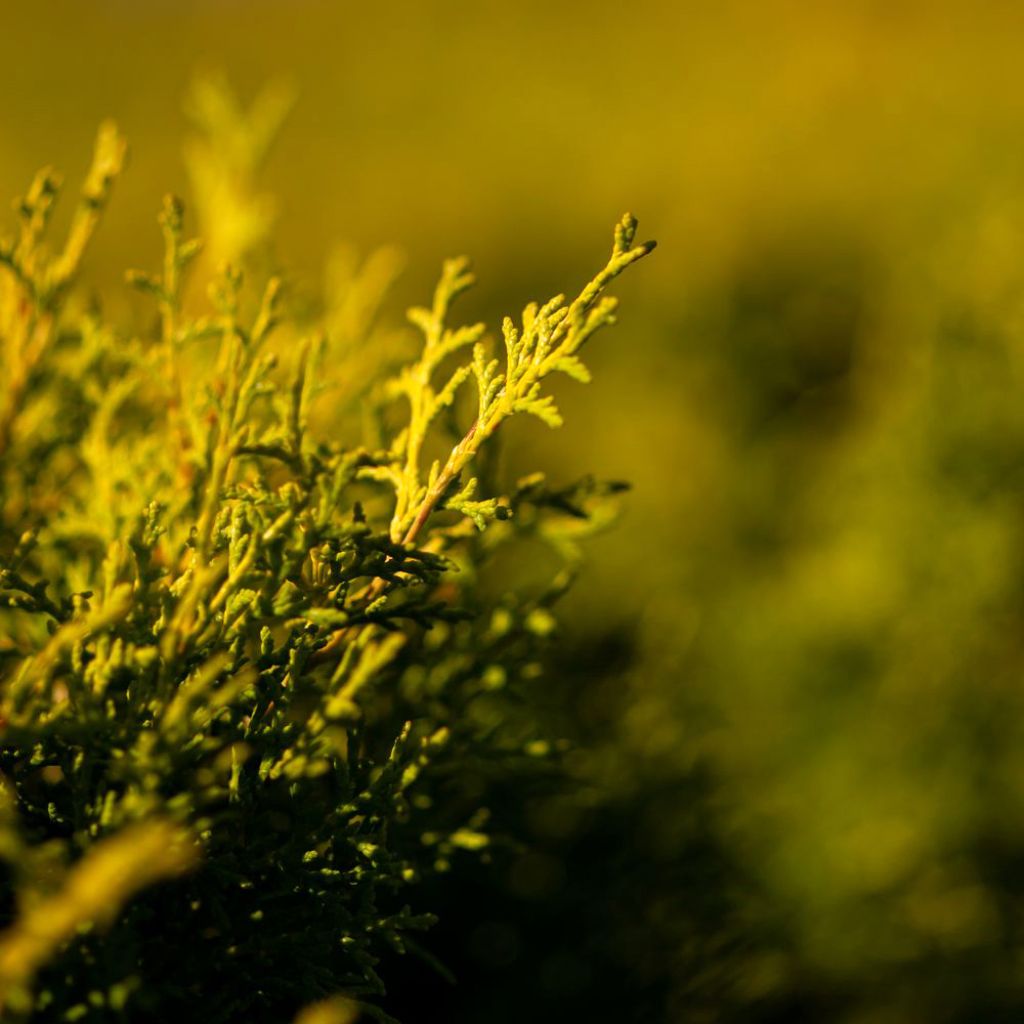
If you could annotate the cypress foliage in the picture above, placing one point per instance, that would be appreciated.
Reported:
(255, 675)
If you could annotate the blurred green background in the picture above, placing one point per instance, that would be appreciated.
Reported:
(794, 671)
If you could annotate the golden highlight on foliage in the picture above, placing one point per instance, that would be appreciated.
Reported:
(548, 341)
(336, 1010)
(37, 281)
(91, 895)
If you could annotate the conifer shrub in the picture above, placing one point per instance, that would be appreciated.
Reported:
(257, 671)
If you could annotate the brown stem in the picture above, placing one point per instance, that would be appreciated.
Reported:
(456, 461)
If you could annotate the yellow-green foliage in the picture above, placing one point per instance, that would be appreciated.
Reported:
(236, 658)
